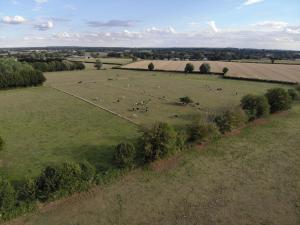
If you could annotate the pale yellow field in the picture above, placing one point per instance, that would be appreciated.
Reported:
(269, 72)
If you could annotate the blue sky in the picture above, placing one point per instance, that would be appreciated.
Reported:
(156, 23)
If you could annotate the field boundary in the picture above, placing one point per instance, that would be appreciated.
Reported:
(95, 105)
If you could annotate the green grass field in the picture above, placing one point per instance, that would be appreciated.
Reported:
(249, 178)
(120, 90)
(42, 126)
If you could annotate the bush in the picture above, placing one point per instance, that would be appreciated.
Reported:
(225, 70)
(189, 68)
(158, 142)
(230, 120)
(151, 67)
(204, 68)
(255, 106)
(1, 144)
(293, 94)
(125, 155)
(88, 171)
(279, 99)
(186, 100)
(28, 191)
(204, 132)
(7, 196)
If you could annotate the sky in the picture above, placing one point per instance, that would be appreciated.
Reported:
(263, 24)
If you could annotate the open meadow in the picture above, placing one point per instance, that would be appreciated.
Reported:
(252, 71)
(42, 126)
(247, 178)
(148, 97)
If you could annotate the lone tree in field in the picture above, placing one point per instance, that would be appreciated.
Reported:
(189, 68)
(186, 100)
(205, 68)
(98, 64)
(225, 70)
(151, 67)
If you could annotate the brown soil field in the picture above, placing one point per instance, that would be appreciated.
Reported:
(253, 71)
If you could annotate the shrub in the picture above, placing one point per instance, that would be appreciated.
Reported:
(98, 64)
(186, 100)
(7, 196)
(27, 192)
(204, 132)
(278, 99)
(225, 70)
(151, 67)
(293, 94)
(125, 155)
(189, 68)
(204, 68)
(255, 106)
(230, 120)
(158, 142)
(88, 171)
(1, 143)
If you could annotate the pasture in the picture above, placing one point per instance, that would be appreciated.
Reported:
(148, 97)
(254, 71)
(41, 126)
(249, 178)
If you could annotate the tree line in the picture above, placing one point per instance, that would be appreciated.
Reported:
(17, 74)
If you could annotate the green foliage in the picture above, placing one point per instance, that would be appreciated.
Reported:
(204, 68)
(279, 99)
(158, 142)
(7, 196)
(204, 131)
(65, 179)
(27, 192)
(225, 70)
(98, 64)
(16, 74)
(186, 100)
(255, 106)
(125, 155)
(151, 67)
(1, 143)
(293, 94)
(230, 120)
(53, 66)
(189, 68)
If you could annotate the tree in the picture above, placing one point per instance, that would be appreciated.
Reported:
(189, 68)
(158, 142)
(255, 106)
(125, 155)
(279, 99)
(225, 70)
(186, 100)
(205, 68)
(151, 67)
(98, 64)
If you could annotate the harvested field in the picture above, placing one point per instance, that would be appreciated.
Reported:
(251, 71)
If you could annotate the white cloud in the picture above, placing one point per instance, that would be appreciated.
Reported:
(273, 25)
(44, 26)
(251, 2)
(213, 26)
(13, 20)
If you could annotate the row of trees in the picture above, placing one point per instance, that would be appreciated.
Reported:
(190, 68)
(17, 74)
(53, 66)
